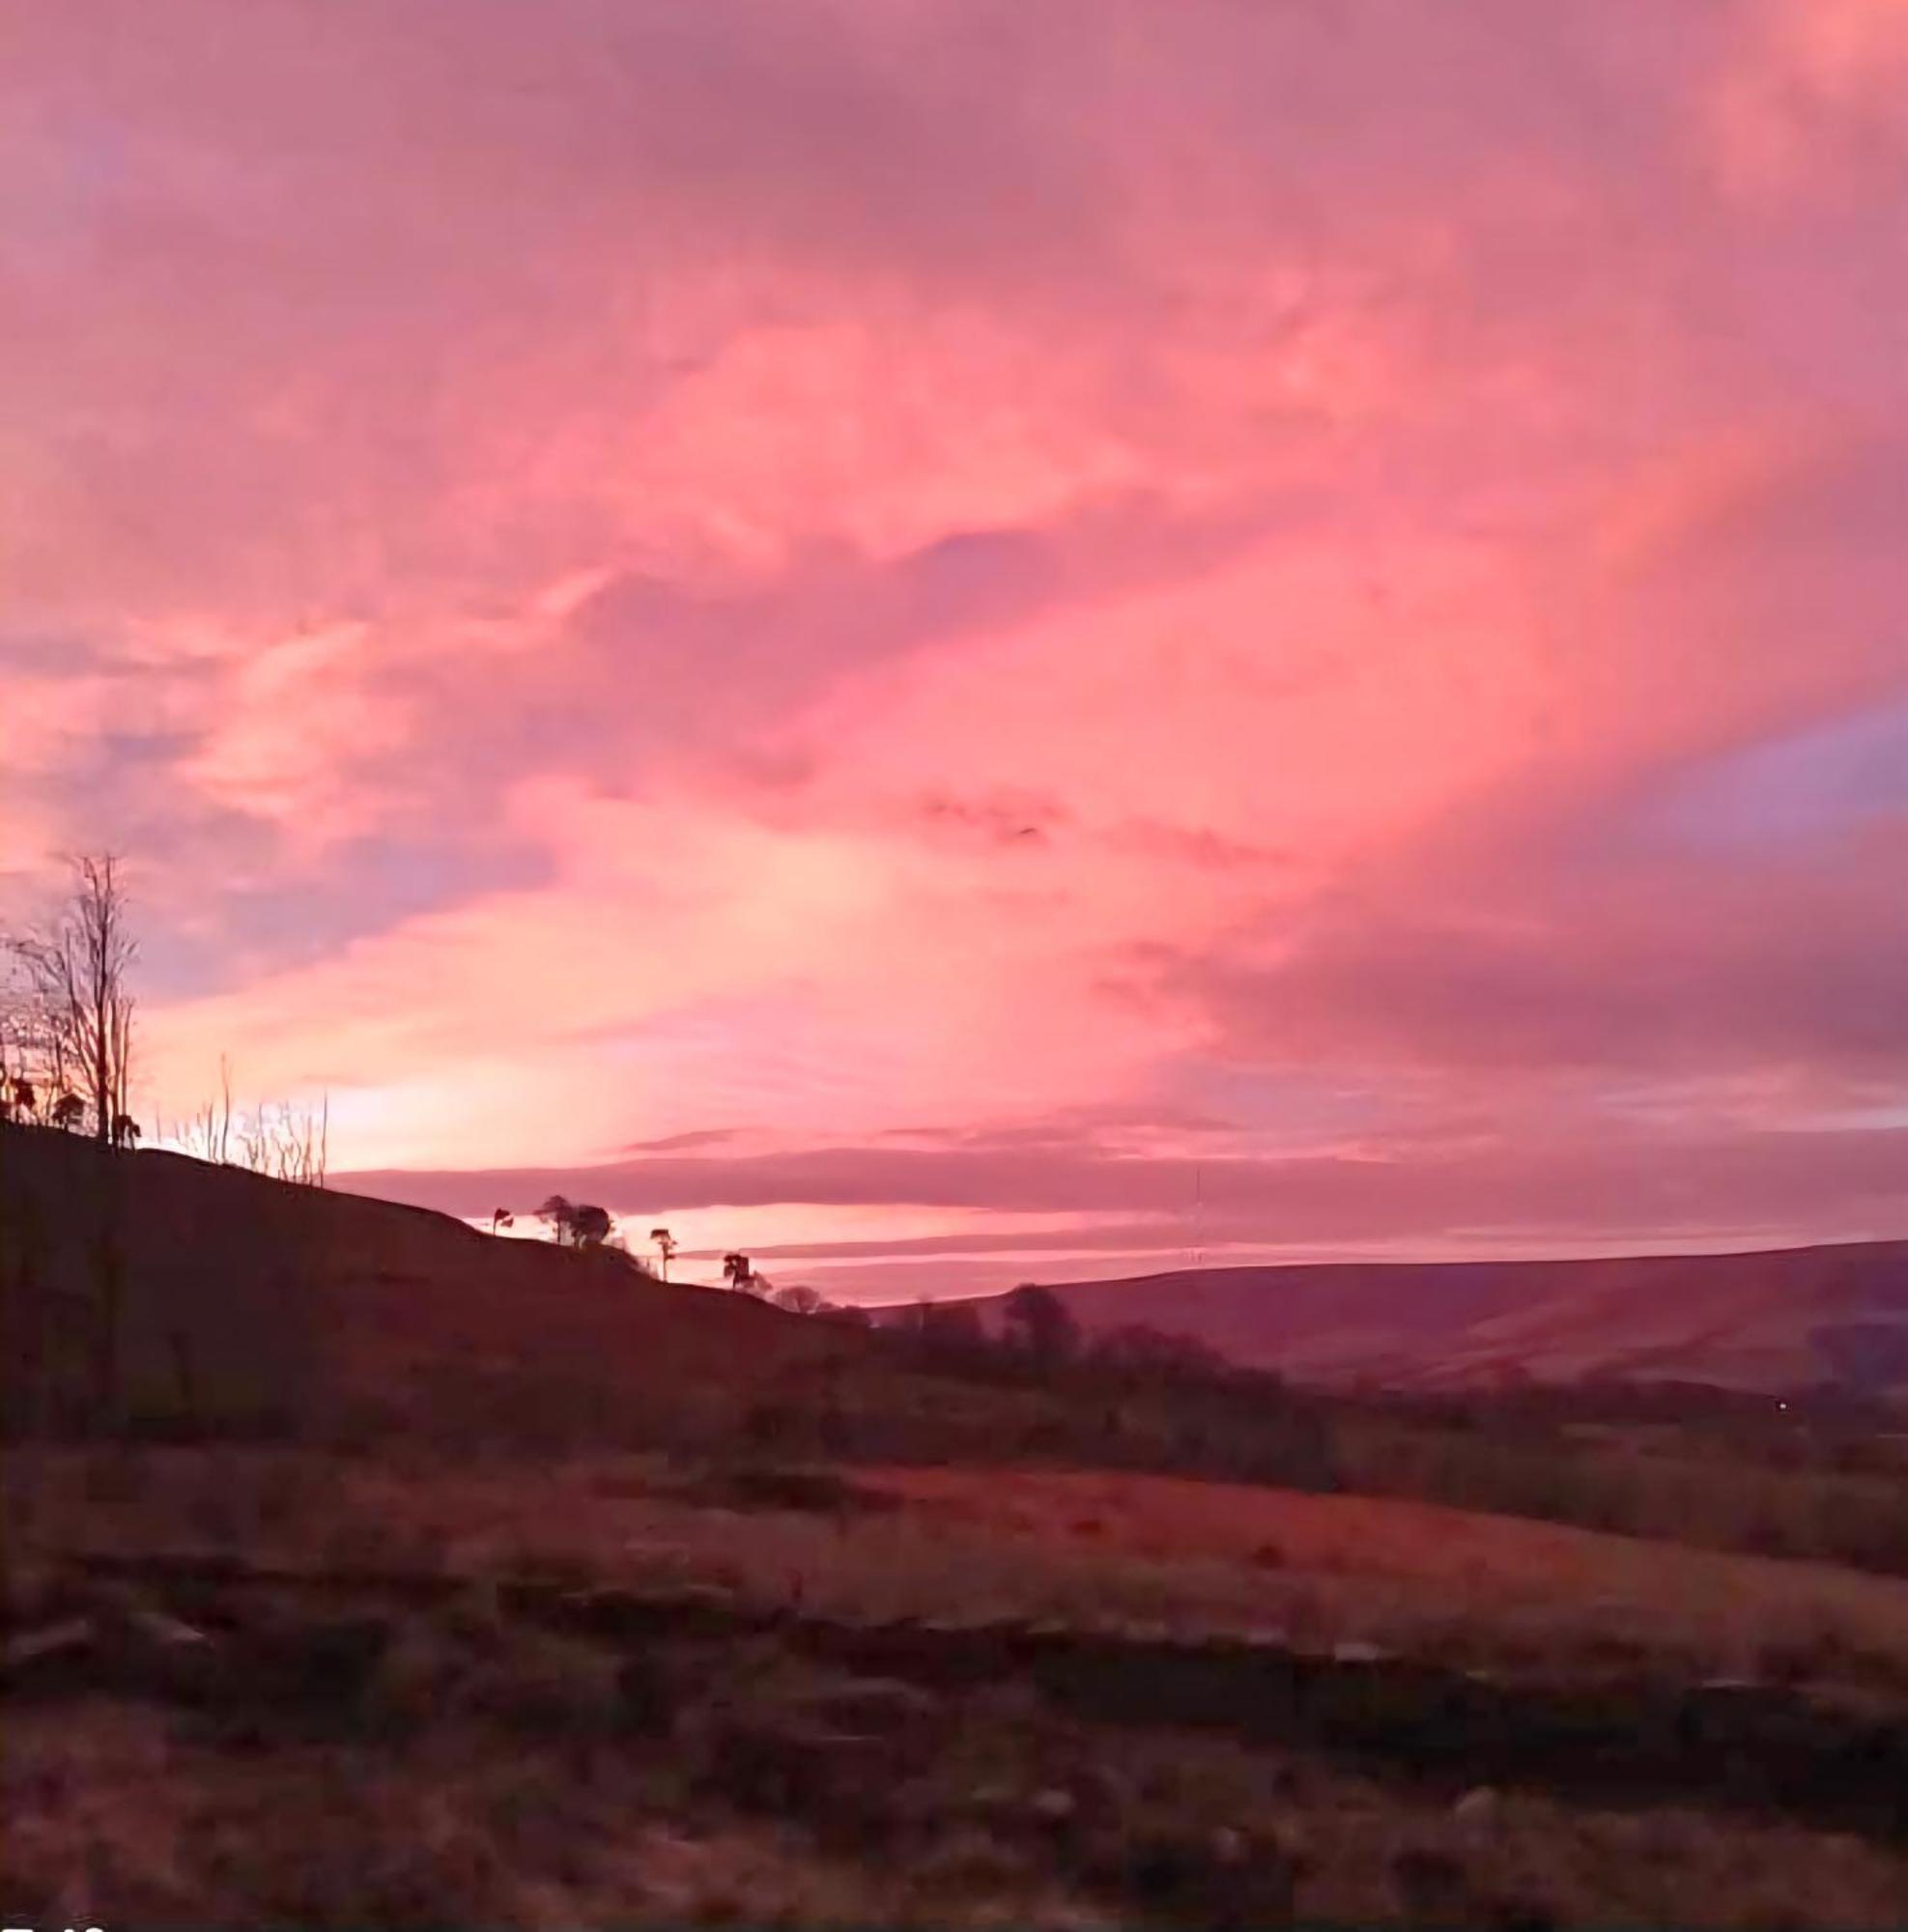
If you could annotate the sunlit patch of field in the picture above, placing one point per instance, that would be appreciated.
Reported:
(1490, 1564)
(1475, 1585)
(1088, 1549)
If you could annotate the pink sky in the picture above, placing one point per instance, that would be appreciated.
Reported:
(901, 631)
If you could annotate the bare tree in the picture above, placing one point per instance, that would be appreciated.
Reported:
(303, 1141)
(219, 1123)
(21, 1035)
(77, 967)
(254, 1141)
(67, 1019)
(287, 1140)
(295, 1137)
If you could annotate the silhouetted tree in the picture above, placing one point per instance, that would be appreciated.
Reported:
(28, 1063)
(126, 1130)
(1037, 1324)
(1140, 1349)
(951, 1327)
(666, 1246)
(16, 1034)
(741, 1275)
(67, 1014)
(560, 1215)
(577, 1223)
(76, 966)
(799, 1299)
(947, 1334)
(589, 1225)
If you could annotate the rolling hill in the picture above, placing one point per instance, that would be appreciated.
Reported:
(237, 1296)
(1791, 1318)
(243, 1297)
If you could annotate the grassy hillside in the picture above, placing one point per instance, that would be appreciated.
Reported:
(1794, 1319)
(160, 1295)
(227, 1297)
(153, 1291)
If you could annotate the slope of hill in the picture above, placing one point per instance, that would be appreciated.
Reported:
(1799, 1317)
(235, 1296)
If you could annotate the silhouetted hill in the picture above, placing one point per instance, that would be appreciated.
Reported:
(1789, 1319)
(241, 1297)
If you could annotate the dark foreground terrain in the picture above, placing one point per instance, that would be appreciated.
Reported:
(360, 1571)
(259, 1688)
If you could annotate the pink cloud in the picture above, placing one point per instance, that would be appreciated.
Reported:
(839, 564)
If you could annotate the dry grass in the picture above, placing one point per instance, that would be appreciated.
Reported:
(488, 1785)
(123, 1816)
(1085, 1549)
(1772, 1490)
(1402, 1568)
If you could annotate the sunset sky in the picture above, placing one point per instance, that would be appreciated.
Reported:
(904, 632)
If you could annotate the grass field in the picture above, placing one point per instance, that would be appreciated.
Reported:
(736, 1618)
(494, 1774)
(1087, 1546)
